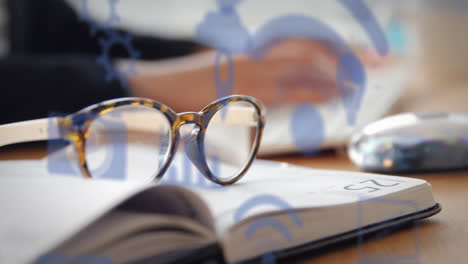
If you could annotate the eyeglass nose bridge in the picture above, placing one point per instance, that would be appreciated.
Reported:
(193, 148)
(187, 118)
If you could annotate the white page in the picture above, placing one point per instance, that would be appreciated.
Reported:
(301, 205)
(38, 210)
(300, 187)
(71, 203)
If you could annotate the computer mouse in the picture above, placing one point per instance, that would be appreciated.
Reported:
(412, 142)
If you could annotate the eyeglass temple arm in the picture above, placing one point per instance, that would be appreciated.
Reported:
(48, 128)
(27, 131)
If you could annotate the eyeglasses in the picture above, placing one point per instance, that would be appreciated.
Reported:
(141, 137)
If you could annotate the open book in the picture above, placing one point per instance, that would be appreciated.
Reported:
(276, 208)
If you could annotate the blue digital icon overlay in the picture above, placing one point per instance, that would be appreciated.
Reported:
(59, 161)
(350, 73)
(110, 38)
(113, 39)
(268, 221)
(366, 18)
(224, 31)
(307, 129)
(113, 165)
(62, 158)
(183, 173)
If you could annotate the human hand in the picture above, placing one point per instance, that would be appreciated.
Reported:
(291, 72)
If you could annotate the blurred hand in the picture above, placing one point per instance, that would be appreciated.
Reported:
(291, 72)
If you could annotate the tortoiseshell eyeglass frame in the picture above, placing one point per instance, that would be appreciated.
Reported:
(75, 129)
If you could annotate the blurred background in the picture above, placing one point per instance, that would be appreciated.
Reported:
(323, 68)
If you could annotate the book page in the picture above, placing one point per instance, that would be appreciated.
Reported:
(276, 206)
(42, 208)
(38, 210)
(129, 236)
(300, 187)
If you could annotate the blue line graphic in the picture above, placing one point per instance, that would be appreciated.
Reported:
(362, 13)
(111, 38)
(267, 199)
(268, 221)
(114, 39)
(224, 31)
(307, 128)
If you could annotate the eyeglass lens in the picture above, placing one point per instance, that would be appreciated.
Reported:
(230, 139)
(129, 143)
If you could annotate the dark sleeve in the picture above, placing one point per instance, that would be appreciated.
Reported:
(52, 63)
(38, 86)
(53, 27)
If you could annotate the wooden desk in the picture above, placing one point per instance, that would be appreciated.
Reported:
(442, 238)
